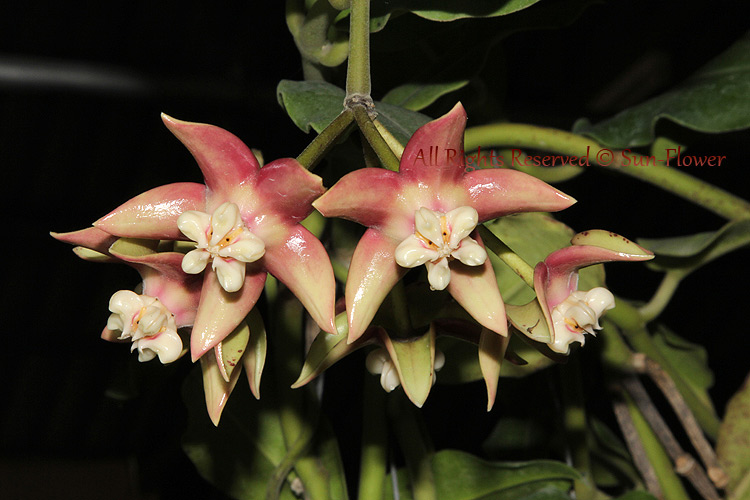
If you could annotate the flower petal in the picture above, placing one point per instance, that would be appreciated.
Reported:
(302, 264)
(475, 289)
(435, 153)
(167, 345)
(369, 196)
(495, 192)
(438, 274)
(91, 237)
(372, 274)
(220, 312)
(470, 252)
(194, 224)
(195, 261)
(215, 388)
(230, 272)
(412, 252)
(287, 188)
(428, 224)
(461, 222)
(248, 248)
(154, 214)
(226, 162)
(224, 219)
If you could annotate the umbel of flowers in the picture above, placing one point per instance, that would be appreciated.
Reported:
(242, 223)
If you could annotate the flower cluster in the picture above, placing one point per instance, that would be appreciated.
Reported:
(245, 222)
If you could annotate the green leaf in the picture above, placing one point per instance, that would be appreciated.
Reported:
(241, 454)
(637, 495)
(689, 360)
(450, 10)
(713, 100)
(687, 253)
(316, 104)
(416, 96)
(461, 476)
(733, 444)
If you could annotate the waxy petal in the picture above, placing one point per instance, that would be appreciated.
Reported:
(219, 311)
(91, 237)
(248, 248)
(428, 224)
(226, 162)
(434, 154)
(470, 252)
(230, 273)
(438, 274)
(372, 274)
(475, 289)
(285, 187)
(224, 219)
(368, 196)
(412, 252)
(461, 222)
(194, 224)
(495, 192)
(167, 345)
(154, 214)
(302, 264)
(195, 261)
(215, 388)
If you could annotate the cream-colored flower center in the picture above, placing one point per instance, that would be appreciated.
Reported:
(579, 313)
(223, 239)
(438, 239)
(148, 323)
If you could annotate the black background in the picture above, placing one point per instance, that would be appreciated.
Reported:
(72, 425)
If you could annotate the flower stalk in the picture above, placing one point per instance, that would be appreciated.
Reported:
(358, 69)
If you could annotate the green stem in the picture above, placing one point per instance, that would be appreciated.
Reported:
(386, 156)
(358, 69)
(414, 443)
(322, 144)
(633, 328)
(298, 410)
(662, 296)
(393, 143)
(576, 426)
(516, 263)
(686, 186)
(374, 434)
(670, 483)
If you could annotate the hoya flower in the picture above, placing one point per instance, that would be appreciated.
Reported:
(379, 362)
(245, 220)
(160, 271)
(148, 323)
(426, 214)
(567, 312)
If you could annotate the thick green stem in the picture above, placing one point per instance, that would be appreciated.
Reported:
(358, 69)
(319, 147)
(695, 190)
(374, 434)
(387, 158)
(516, 263)
(415, 445)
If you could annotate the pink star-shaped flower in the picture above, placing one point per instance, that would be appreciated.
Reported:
(239, 203)
(425, 197)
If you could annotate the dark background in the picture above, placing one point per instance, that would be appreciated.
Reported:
(81, 89)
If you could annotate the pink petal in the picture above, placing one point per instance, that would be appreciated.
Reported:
(497, 192)
(302, 264)
(285, 187)
(563, 265)
(368, 196)
(475, 289)
(154, 214)
(91, 237)
(224, 159)
(372, 274)
(435, 153)
(219, 312)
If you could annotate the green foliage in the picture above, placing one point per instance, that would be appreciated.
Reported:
(713, 100)
(316, 104)
(450, 10)
(733, 445)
